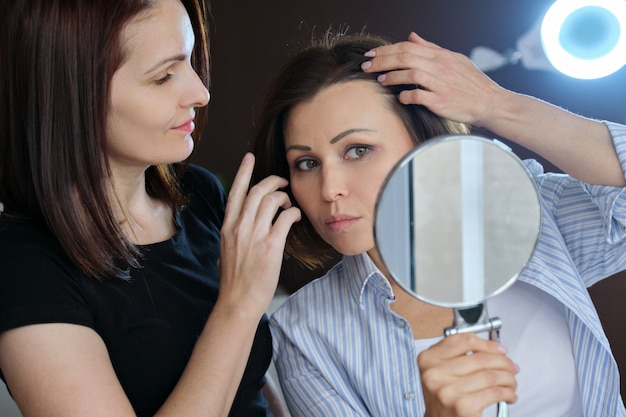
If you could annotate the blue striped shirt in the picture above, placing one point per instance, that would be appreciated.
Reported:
(340, 350)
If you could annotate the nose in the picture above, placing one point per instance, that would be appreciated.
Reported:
(332, 184)
(196, 95)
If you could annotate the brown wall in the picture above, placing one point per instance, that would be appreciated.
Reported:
(252, 38)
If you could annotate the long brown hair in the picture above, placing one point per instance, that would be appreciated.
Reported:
(57, 58)
(335, 58)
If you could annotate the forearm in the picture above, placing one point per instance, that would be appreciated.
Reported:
(581, 147)
(213, 373)
(251, 256)
(454, 88)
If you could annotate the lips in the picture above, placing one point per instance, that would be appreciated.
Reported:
(186, 127)
(340, 223)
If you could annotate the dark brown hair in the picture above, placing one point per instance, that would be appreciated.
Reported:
(334, 59)
(57, 59)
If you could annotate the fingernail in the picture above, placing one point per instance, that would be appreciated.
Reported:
(366, 65)
(381, 78)
(516, 368)
(370, 53)
(502, 349)
(247, 158)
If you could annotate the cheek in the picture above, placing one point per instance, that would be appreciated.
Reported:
(305, 195)
(138, 112)
(139, 118)
(374, 180)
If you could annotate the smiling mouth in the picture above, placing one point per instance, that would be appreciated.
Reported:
(186, 127)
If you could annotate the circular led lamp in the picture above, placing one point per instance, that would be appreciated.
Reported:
(585, 38)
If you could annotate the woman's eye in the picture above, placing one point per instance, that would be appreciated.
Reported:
(356, 152)
(161, 81)
(306, 164)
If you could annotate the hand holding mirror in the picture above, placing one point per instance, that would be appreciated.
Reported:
(456, 221)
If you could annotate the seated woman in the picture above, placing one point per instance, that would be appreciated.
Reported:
(353, 343)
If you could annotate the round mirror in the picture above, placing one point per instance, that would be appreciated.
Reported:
(457, 220)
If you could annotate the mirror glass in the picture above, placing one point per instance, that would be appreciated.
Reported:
(457, 220)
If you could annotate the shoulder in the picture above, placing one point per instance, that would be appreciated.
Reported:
(25, 246)
(197, 179)
(20, 238)
(205, 194)
(38, 283)
(349, 290)
(319, 300)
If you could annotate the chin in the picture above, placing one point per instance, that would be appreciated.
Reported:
(351, 244)
(351, 251)
(178, 155)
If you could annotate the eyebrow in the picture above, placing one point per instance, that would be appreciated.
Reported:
(332, 141)
(177, 58)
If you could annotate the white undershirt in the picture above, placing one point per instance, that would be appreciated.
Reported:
(534, 329)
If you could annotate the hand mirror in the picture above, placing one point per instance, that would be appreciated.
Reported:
(456, 221)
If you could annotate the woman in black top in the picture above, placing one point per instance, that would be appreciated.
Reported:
(109, 246)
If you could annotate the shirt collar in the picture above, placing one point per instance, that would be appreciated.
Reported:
(362, 273)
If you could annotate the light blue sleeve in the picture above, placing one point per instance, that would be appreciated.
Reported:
(611, 200)
(591, 218)
(307, 390)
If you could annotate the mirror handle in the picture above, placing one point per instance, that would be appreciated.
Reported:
(475, 319)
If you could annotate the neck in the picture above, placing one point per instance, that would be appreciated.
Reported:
(142, 218)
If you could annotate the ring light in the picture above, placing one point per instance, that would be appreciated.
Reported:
(585, 38)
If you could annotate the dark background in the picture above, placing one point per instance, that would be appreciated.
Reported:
(250, 40)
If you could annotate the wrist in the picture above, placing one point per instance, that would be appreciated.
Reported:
(237, 310)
